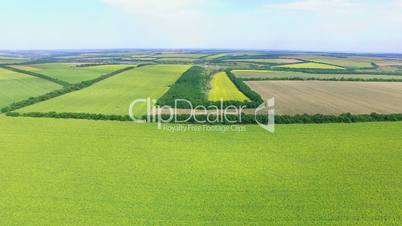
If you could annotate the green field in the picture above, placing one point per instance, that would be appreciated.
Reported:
(12, 60)
(270, 61)
(69, 72)
(309, 66)
(349, 62)
(269, 74)
(58, 172)
(223, 88)
(114, 95)
(15, 87)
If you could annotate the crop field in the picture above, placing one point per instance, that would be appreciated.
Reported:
(270, 74)
(15, 87)
(271, 61)
(348, 62)
(175, 59)
(76, 172)
(331, 97)
(69, 72)
(223, 88)
(114, 95)
(179, 55)
(309, 66)
(11, 60)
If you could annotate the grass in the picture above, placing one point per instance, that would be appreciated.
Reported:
(69, 72)
(223, 88)
(349, 62)
(114, 95)
(261, 74)
(309, 66)
(57, 172)
(270, 61)
(15, 87)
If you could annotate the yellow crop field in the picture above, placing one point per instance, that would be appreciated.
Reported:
(223, 88)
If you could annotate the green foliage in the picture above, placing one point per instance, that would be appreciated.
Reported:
(56, 93)
(293, 119)
(51, 79)
(191, 86)
(256, 99)
(76, 172)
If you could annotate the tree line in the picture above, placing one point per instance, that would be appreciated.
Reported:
(56, 93)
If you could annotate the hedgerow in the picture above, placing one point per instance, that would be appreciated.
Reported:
(245, 118)
(56, 93)
(293, 119)
(51, 79)
(193, 86)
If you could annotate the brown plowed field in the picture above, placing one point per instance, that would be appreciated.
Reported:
(331, 97)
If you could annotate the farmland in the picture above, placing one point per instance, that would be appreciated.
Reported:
(69, 72)
(91, 173)
(16, 87)
(271, 74)
(11, 60)
(309, 66)
(330, 97)
(114, 95)
(223, 88)
(71, 156)
(271, 61)
(349, 62)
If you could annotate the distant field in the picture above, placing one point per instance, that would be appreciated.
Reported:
(179, 55)
(77, 172)
(69, 72)
(114, 95)
(331, 97)
(176, 59)
(272, 61)
(223, 88)
(349, 62)
(309, 66)
(261, 74)
(11, 60)
(15, 87)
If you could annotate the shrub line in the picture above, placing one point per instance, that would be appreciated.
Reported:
(56, 93)
(245, 118)
(34, 74)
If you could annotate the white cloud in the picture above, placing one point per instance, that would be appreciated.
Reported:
(169, 20)
(156, 8)
(315, 5)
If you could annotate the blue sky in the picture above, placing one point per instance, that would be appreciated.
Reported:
(315, 25)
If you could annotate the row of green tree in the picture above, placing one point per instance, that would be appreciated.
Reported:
(243, 119)
(56, 93)
(290, 119)
(193, 86)
(51, 79)
(336, 71)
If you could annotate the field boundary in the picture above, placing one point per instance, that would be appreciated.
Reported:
(34, 74)
(245, 118)
(60, 92)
